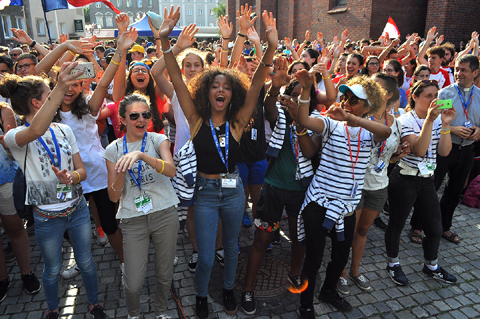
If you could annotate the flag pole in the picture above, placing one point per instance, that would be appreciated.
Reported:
(46, 22)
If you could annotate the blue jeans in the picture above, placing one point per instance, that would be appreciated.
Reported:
(211, 203)
(49, 233)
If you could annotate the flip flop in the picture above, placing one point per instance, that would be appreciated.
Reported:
(451, 238)
(415, 237)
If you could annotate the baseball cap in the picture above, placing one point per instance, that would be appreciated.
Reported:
(356, 89)
(137, 48)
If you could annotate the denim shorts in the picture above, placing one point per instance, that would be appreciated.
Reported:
(252, 173)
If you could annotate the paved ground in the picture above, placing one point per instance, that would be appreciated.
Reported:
(423, 298)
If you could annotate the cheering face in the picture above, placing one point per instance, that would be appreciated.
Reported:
(137, 117)
(140, 77)
(353, 66)
(220, 94)
(305, 56)
(192, 65)
(72, 93)
(354, 105)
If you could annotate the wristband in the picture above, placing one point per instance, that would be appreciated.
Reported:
(265, 65)
(224, 50)
(116, 63)
(72, 53)
(303, 101)
(167, 50)
(445, 132)
(34, 43)
(115, 190)
(78, 174)
(358, 118)
(302, 132)
(226, 39)
(157, 39)
(429, 120)
(241, 35)
(326, 77)
(396, 113)
(163, 166)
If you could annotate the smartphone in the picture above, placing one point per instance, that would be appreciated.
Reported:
(86, 67)
(447, 104)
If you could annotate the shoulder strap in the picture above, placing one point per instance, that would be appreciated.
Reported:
(196, 128)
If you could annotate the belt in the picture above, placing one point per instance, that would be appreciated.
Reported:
(62, 213)
(407, 170)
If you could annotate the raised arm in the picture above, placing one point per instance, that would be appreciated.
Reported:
(124, 41)
(288, 44)
(279, 79)
(226, 31)
(253, 37)
(309, 122)
(421, 54)
(119, 80)
(387, 50)
(330, 94)
(245, 23)
(22, 37)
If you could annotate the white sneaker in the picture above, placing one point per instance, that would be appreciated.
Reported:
(175, 261)
(102, 239)
(71, 272)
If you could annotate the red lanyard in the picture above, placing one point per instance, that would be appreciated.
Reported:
(350, 149)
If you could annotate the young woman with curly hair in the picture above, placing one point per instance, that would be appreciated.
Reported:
(222, 103)
(336, 188)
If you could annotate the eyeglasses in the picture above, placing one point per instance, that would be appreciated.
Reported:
(137, 71)
(15, 54)
(24, 66)
(388, 70)
(353, 100)
(374, 63)
(135, 115)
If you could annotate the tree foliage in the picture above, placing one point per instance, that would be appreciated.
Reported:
(86, 13)
(220, 9)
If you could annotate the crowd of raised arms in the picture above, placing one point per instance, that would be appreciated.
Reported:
(180, 133)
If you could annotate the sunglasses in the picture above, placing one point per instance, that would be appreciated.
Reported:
(25, 66)
(374, 63)
(15, 54)
(137, 71)
(353, 100)
(135, 115)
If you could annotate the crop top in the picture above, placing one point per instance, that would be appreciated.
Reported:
(208, 159)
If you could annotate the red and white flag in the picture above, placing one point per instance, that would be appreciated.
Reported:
(391, 29)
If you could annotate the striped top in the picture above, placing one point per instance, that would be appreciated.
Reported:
(411, 124)
(333, 182)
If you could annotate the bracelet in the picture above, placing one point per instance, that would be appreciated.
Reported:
(445, 132)
(224, 50)
(167, 50)
(8, 152)
(265, 65)
(326, 77)
(72, 53)
(226, 39)
(78, 174)
(163, 166)
(358, 118)
(34, 43)
(157, 39)
(396, 113)
(116, 63)
(429, 120)
(117, 190)
(242, 35)
(302, 132)
(304, 101)
(393, 162)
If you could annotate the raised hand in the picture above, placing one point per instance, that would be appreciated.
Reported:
(448, 115)
(169, 21)
(279, 74)
(21, 36)
(122, 21)
(271, 32)
(80, 46)
(225, 28)
(335, 40)
(337, 113)
(187, 36)
(127, 39)
(288, 43)
(321, 67)
(475, 37)
(432, 34)
(433, 111)
(65, 79)
(305, 78)
(345, 35)
(308, 34)
(439, 40)
(63, 38)
(244, 17)
(241, 65)
(253, 35)
(320, 38)
(63, 176)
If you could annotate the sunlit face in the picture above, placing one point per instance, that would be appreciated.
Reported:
(373, 66)
(297, 67)
(390, 70)
(136, 128)
(72, 93)
(415, 48)
(422, 75)
(354, 105)
(342, 62)
(4, 68)
(464, 76)
(305, 56)
(448, 56)
(137, 56)
(26, 67)
(14, 53)
(192, 65)
(423, 100)
(251, 67)
(45, 94)
(434, 62)
(140, 77)
(152, 55)
(220, 94)
(409, 67)
(353, 66)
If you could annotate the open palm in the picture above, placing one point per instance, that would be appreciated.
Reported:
(169, 21)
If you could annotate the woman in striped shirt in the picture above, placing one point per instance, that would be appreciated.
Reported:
(427, 133)
(337, 186)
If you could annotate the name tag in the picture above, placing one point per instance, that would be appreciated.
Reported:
(221, 140)
(229, 180)
(468, 124)
(64, 191)
(253, 134)
(143, 203)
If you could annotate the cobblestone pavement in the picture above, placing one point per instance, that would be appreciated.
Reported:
(423, 298)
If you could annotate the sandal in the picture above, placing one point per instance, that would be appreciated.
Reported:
(452, 238)
(415, 237)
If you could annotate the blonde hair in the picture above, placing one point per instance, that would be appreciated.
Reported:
(375, 93)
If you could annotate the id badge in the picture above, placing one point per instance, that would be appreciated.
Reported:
(380, 166)
(143, 203)
(64, 191)
(422, 167)
(229, 180)
(221, 140)
(354, 189)
(431, 166)
(298, 175)
(468, 124)
(253, 134)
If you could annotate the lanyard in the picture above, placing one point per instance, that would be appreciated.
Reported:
(416, 118)
(215, 139)
(350, 149)
(125, 151)
(294, 143)
(465, 105)
(57, 148)
(382, 147)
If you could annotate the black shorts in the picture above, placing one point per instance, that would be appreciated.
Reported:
(271, 203)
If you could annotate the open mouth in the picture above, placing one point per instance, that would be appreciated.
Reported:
(140, 80)
(140, 126)
(68, 96)
(220, 100)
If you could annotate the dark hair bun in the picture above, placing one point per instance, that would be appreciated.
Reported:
(8, 85)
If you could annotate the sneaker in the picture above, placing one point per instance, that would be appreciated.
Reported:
(246, 221)
(98, 313)
(307, 313)
(175, 261)
(9, 255)
(219, 254)
(201, 308)
(380, 223)
(52, 315)
(102, 239)
(439, 274)
(248, 303)
(334, 299)
(360, 281)
(4, 285)
(342, 286)
(31, 283)
(192, 264)
(276, 238)
(71, 272)
(296, 282)
(397, 275)
(229, 302)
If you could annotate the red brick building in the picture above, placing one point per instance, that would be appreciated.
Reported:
(366, 18)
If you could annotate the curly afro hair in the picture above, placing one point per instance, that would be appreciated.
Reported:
(200, 85)
(376, 94)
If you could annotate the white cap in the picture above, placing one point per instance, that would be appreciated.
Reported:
(356, 89)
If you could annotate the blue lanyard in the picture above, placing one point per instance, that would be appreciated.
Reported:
(57, 148)
(215, 139)
(382, 147)
(294, 143)
(465, 105)
(125, 151)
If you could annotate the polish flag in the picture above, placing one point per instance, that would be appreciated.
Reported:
(391, 29)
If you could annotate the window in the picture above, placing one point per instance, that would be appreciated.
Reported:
(99, 19)
(62, 28)
(139, 3)
(200, 12)
(340, 3)
(189, 12)
(119, 3)
(129, 3)
(98, 5)
(51, 29)
(41, 27)
(199, 24)
(20, 23)
(211, 24)
(7, 25)
(212, 12)
(150, 3)
(109, 19)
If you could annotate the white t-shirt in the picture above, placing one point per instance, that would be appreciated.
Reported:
(91, 150)
(182, 128)
(41, 180)
(441, 77)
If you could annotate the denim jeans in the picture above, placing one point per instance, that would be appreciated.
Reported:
(403, 192)
(49, 234)
(212, 202)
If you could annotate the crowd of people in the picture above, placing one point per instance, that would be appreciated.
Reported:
(180, 133)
